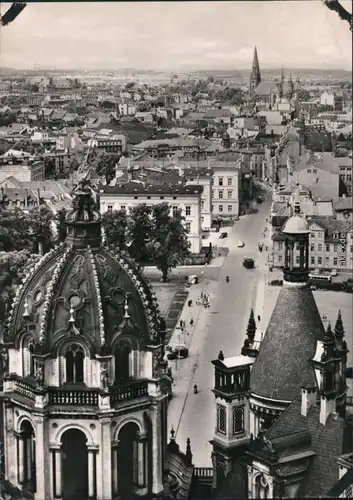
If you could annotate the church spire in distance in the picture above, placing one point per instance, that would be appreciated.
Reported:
(255, 77)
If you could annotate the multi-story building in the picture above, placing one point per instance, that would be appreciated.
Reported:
(114, 143)
(331, 245)
(226, 189)
(187, 198)
(203, 177)
(24, 170)
(345, 168)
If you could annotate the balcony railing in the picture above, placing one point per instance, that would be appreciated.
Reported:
(203, 472)
(132, 390)
(25, 389)
(72, 397)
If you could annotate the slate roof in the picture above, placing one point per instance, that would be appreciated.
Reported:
(320, 444)
(282, 365)
(328, 442)
(161, 189)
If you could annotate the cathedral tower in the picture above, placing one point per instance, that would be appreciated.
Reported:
(255, 77)
(85, 413)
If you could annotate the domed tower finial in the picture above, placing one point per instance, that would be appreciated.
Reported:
(221, 356)
(83, 220)
(296, 229)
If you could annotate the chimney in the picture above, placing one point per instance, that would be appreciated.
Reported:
(308, 399)
(327, 406)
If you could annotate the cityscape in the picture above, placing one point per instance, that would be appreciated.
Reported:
(176, 250)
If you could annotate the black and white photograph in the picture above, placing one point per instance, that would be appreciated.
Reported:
(176, 250)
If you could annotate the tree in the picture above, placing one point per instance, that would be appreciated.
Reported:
(169, 246)
(12, 265)
(106, 167)
(115, 228)
(74, 165)
(14, 233)
(139, 228)
(40, 226)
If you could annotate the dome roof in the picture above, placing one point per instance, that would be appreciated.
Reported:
(82, 288)
(296, 225)
(282, 366)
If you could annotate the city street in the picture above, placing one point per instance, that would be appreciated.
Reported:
(222, 328)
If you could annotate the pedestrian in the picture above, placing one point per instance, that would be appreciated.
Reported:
(190, 303)
(181, 323)
(191, 322)
(258, 318)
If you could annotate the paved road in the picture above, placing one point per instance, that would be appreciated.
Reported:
(223, 328)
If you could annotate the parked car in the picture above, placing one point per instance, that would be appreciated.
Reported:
(248, 263)
(241, 244)
(178, 351)
(223, 235)
(334, 272)
(236, 218)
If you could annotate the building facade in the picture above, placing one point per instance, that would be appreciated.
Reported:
(226, 189)
(186, 198)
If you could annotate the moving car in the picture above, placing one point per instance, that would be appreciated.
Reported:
(178, 351)
(248, 263)
(223, 235)
(241, 244)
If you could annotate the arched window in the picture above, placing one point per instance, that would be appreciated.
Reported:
(122, 354)
(28, 356)
(74, 359)
(238, 420)
(221, 419)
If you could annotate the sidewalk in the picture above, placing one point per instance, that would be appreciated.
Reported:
(183, 371)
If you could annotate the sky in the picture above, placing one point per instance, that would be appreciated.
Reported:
(177, 36)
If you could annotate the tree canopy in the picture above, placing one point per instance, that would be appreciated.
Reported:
(105, 166)
(169, 246)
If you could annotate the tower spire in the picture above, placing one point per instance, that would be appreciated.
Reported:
(255, 77)
(281, 85)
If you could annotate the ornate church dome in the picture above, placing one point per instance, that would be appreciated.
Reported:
(81, 288)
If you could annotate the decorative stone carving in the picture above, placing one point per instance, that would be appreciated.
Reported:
(104, 377)
(157, 357)
(39, 375)
(5, 360)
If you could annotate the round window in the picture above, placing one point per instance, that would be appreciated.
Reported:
(75, 301)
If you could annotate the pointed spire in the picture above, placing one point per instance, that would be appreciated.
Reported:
(172, 445)
(329, 337)
(339, 330)
(188, 453)
(255, 77)
(251, 329)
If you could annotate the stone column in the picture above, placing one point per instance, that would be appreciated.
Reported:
(104, 461)
(157, 484)
(57, 469)
(91, 473)
(141, 461)
(10, 445)
(41, 454)
(115, 445)
(21, 458)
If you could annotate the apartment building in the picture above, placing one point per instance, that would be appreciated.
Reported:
(187, 198)
(202, 177)
(345, 168)
(226, 189)
(114, 143)
(24, 170)
(331, 245)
